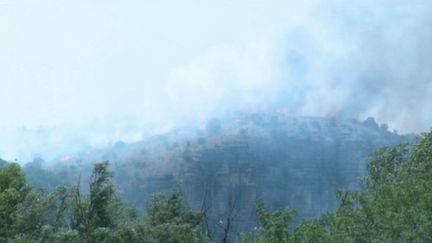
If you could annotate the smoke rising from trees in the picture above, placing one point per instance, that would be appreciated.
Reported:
(135, 68)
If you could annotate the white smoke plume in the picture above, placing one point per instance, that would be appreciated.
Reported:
(93, 72)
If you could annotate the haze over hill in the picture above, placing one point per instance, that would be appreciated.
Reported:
(130, 69)
(210, 121)
(296, 162)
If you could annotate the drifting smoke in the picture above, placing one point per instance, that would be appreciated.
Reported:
(156, 66)
(353, 60)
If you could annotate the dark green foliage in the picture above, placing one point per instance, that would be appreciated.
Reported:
(285, 160)
(13, 191)
(170, 222)
(66, 215)
(395, 205)
(100, 208)
(310, 231)
(275, 225)
(42, 213)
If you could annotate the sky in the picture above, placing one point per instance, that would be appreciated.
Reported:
(94, 71)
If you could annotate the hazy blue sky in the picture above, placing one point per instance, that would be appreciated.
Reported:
(128, 65)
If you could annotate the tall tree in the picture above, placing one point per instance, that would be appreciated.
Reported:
(395, 205)
(13, 191)
(101, 207)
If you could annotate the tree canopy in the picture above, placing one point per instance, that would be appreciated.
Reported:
(395, 205)
(68, 215)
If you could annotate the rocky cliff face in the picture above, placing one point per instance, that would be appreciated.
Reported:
(224, 167)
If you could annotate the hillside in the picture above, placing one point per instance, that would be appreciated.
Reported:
(226, 165)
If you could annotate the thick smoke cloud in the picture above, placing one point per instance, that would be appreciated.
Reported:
(337, 59)
(126, 70)
(387, 72)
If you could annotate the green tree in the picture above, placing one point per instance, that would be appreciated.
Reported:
(394, 206)
(13, 191)
(170, 222)
(396, 203)
(100, 208)
(275, 225)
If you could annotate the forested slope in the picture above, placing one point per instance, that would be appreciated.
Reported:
(226, 165)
